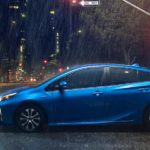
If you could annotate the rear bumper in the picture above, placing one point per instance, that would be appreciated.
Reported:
(1, 116)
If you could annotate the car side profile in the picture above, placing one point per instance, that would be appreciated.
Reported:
(88, 94)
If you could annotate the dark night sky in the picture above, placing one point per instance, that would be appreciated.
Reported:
(40, 38)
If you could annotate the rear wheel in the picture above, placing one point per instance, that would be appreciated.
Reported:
(147, 118)
(29, 118)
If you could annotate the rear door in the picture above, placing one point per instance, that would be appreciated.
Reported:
(124, 94)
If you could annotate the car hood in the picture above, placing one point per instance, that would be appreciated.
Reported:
(16, 90)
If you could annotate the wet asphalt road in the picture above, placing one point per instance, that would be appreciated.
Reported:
(76, 138)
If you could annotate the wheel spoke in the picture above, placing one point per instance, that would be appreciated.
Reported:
(27, 110)
(32, 125)
(31, 111)
(34, 116)
(29, 119)
(36, 123)
(27, 126)
(21, 118)
(37, 118)
(24, 123)
(23, 115)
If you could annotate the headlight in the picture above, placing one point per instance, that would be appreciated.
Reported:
(5, 97)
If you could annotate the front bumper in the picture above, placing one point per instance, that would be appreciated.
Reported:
(6, 113)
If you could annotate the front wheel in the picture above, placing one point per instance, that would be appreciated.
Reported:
(29, 118)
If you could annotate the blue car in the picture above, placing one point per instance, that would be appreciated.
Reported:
(89, 94)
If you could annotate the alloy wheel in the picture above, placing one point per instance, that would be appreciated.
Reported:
(29, 119)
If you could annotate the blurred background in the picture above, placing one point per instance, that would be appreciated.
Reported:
(41, 38)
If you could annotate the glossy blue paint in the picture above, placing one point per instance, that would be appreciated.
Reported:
(123, 103)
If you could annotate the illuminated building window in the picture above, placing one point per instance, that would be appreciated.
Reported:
(23, 39)
(23, 15)
(13, 22)
(52, 12)
(14, 7)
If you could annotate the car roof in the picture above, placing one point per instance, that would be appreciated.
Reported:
(80, 67)
(134, 66)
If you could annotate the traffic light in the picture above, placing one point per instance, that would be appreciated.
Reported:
(60, 69)
(74, 2)
(45, 61)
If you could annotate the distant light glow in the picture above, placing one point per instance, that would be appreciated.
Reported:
(126, 72)
(79, 31)
(13, 22)
(52, 12)
(23, 15)
(33, 79)
(23, 39)
(60, 69)
(14, 7)
(74, 1)
(21, 48)
(45, 61)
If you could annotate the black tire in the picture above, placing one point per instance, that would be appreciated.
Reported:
(147, 118)
(29, 118)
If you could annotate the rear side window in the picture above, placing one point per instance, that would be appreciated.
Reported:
(143, 76)
(122, 76)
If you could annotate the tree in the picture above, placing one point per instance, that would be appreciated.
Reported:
(112, 32)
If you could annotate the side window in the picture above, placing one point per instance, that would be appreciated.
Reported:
(91, 77)
(143, 76)
(122, 76)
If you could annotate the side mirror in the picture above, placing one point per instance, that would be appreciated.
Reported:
(63, 85)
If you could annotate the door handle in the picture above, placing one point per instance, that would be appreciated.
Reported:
(144, 89)
(97, 93)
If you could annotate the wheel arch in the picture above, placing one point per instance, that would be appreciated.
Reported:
(30, 102)
(147, 107)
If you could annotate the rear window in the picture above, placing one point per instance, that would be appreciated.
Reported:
(122, 76)
(143, 76)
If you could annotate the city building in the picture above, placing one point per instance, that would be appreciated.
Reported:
(16, 11)
(4, 61)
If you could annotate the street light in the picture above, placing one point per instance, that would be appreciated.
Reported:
(136, 7)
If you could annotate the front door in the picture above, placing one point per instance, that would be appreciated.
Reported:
(84, 98)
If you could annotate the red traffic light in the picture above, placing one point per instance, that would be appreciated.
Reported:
(75, 2)
(45, 61)
(60, 69)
